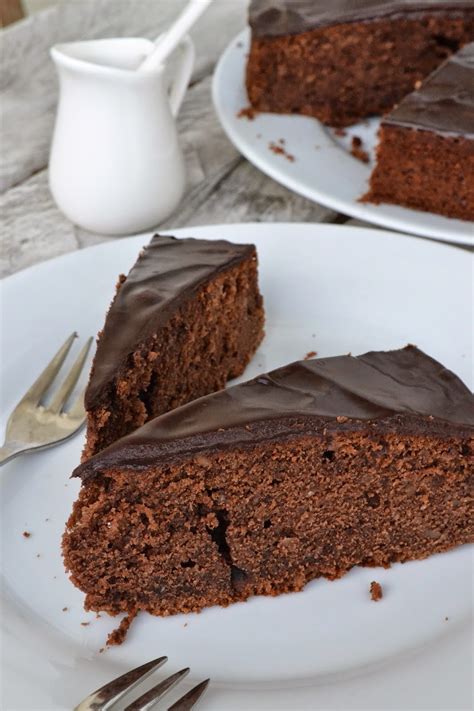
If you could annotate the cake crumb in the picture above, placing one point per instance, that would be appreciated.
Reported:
(342, 418)
(376, 592)
(247, 112)
(310, 354)
(186, 624)
(239, 44)
(282, 141)
(97, 616)
(446, 619)
(46, 520)
(280, 151)
(340, 132)
(38, 555)
(65, 609)
(118, 635)
(101, 650)
(357, 151)
(418, 84)
(26, 534)
(85, 624)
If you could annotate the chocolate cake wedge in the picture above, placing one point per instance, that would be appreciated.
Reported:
(188, 317)
(343, 60)
(425, 156)
(303, 472)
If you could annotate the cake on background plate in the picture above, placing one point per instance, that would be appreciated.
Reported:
(343, 60)
(188, 317)
(425, 157)
(303, 472)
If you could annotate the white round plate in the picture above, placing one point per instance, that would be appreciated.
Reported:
(329, 289)
(323, 168)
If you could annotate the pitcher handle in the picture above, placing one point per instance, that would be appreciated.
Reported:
(185, 65)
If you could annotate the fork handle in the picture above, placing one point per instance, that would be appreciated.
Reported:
(8, 452)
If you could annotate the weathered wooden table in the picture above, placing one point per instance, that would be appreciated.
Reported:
(223, 186)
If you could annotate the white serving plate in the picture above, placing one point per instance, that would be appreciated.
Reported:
(323, 169)
(327, 288)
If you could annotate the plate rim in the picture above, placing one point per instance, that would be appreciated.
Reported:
(179, 231)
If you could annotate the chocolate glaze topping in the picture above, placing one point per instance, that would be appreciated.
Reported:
(403, 390)
(165, 273)
(445, 101)
(273, 18)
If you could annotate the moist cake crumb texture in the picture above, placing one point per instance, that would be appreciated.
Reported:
(300, 473)
(187, 318)
(343, 61)
(425, 156)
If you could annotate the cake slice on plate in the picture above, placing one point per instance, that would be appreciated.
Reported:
(425, 157)
(342, 60)
(188, 317)
(257, 489)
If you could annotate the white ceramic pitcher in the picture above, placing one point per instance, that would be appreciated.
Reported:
(116, 166)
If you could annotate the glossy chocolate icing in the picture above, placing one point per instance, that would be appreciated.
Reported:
(445, 101)
(402, 390)
(167, 271)
(273, 18)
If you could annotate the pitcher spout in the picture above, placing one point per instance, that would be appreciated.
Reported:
(109, 56)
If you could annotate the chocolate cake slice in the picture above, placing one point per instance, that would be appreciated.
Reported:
(257, 489)
(425, 157)
(343, 60)
(188, 317)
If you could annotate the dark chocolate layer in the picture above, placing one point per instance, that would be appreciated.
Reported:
(403, 390)
(445, 101)
(167, 271)
(273, 18)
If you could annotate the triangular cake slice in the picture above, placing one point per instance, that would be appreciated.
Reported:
(425, 156)
(187, 318)
(304, 472)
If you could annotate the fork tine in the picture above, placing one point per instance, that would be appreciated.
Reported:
(186, 702)
(77, 410)
(107, 695)
(70, 380)
(147, 700)
(40, 386)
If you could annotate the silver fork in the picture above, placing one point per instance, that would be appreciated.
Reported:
(104, 698)
(31, 426)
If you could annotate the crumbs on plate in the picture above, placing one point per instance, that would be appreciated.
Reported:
(247, 112)
(357, 151)
(376, 592)
(279, 150)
